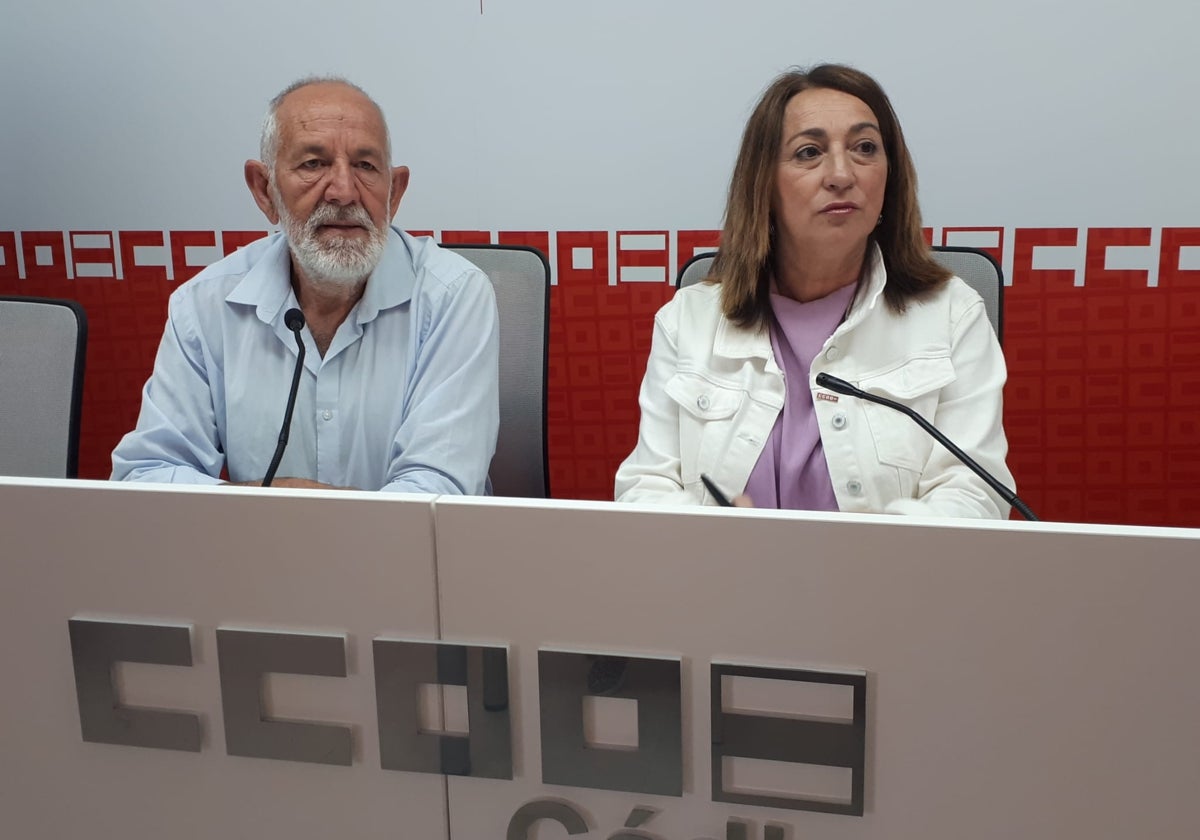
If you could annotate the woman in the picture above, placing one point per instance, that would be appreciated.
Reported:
(822, 267)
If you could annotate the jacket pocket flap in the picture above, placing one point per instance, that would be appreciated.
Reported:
(701, 398)
(912, 379)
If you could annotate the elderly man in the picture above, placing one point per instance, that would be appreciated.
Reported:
(399, 387)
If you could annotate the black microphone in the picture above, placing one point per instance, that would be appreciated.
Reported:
(294, 319)
(844, 387)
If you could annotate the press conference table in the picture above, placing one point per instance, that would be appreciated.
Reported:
(1012, 679)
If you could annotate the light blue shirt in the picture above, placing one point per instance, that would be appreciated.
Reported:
(406, 397)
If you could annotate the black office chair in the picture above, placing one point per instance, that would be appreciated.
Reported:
(43, 345)
(977, 269)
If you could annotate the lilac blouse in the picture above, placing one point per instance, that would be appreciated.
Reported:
(791, 472)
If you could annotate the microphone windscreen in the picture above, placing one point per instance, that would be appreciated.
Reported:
(833, 383)
(294, 319)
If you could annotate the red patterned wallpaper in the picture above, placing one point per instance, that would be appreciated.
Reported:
(1102, 406)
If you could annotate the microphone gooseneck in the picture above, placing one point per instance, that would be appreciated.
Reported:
(841, 386)
(294, 320)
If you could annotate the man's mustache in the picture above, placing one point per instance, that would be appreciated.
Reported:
(325, 214)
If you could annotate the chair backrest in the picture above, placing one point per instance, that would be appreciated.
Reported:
(43, 344)
(695, 269)
(977, 269)
(521, 278)
(981, 272)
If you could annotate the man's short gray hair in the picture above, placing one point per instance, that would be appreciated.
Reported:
(268, 147)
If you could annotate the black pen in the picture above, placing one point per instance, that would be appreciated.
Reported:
(715, 491)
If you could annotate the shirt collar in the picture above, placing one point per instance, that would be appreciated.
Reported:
(869, 298)
(733, 342)
(391, 283)
(267, 286)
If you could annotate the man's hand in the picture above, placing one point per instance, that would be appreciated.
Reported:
(292, 483)
(304, 484)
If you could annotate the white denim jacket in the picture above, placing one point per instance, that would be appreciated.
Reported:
(712, 392)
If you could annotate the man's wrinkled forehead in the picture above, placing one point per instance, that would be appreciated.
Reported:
(326, 107)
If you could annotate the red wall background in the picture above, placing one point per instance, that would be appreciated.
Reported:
(1102, 406)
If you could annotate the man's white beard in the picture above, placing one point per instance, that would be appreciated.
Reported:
(344, 261)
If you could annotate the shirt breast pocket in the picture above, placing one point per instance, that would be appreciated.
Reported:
(707, 411)
(899, 441)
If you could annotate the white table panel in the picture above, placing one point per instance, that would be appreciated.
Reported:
(1025, 680)
(319, 562)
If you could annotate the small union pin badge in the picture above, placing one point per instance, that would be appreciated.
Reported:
(821, 395)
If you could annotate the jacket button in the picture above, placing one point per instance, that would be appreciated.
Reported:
(839, 420)
(854, 487)
(327, 414)
(703, 402)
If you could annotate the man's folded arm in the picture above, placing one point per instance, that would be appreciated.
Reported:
(452, 414)
(175, 440)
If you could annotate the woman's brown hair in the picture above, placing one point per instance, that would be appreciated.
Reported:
(745, 259)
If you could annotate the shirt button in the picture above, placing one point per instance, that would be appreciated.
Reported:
(854, 488)
(327, 414)
(703, 402)
(833, 354)
(839, 420)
